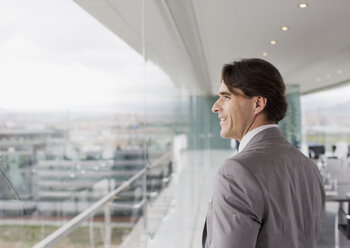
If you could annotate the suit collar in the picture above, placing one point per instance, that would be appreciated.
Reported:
(246, 138)
(267, 134)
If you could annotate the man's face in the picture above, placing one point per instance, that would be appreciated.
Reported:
(235, 111)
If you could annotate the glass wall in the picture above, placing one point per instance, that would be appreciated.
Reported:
(326, 119)
(81, 112)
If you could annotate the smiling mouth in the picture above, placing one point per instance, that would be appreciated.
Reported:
(222, 120)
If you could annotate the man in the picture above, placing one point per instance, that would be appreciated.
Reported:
(269, 195)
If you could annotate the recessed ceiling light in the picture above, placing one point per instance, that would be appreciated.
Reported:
(284, 28)
(273, 42)
(318, 79)
(264, 54)
(303, 5)
(339, 71)
(328, 75)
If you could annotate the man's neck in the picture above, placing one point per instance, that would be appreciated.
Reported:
(257, 123)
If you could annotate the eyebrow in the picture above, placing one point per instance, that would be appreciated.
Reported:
(233, 93)
(224, 93)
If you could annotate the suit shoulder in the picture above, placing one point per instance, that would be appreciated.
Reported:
(236, 178)
(234, 168)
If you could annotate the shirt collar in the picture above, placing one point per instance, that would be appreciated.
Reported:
(246, 138)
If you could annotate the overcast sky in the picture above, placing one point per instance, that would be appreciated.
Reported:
(55, 56)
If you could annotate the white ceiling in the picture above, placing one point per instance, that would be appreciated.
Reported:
(192, 39)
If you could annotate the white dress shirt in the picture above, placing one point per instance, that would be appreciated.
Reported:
(246, 138)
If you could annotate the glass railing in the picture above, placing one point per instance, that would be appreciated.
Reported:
(99, 225)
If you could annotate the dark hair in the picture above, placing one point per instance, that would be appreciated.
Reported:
(257, 77)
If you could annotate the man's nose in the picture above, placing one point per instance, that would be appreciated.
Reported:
(216, 107)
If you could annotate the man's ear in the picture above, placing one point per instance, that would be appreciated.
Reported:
(259, 104)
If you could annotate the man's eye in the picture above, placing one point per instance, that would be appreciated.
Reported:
(227, 97)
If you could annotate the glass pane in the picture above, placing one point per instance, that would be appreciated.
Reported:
(72, 119)
(326, 118)
(111, 225)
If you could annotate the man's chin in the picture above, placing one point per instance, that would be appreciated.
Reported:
(224, 135)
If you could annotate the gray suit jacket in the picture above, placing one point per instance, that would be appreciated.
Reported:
(267, 196)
